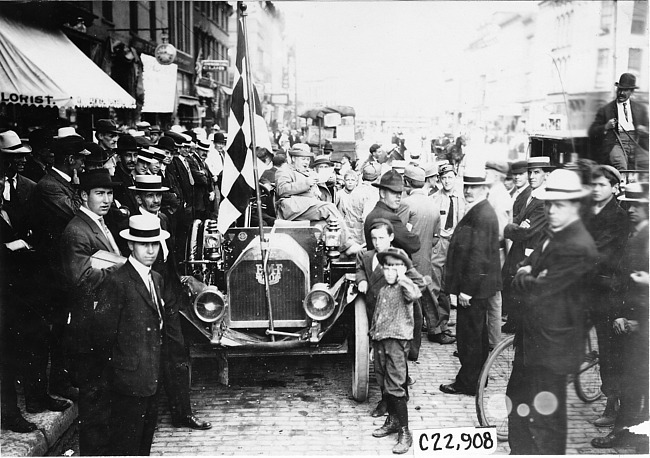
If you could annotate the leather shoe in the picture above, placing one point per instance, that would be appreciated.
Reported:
(47, 403)
(68, 392)
(410, 380)
(380, 410)
(442, 338)
(18, 424)
(613, 439)
(192, 421)
(453, 389)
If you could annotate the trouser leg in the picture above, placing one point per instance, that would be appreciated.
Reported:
(610, 356)
(177, 388)
(442, 304)
(494, 319)
(94, 405)
(414, 351)
(472, 339)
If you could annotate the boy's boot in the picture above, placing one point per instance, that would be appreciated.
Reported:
(404, 436)
(382, 407)
(391, 425)
(609, 415)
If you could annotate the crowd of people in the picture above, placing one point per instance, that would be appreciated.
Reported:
(93, 229)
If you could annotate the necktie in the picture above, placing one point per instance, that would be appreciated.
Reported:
(450, 214)
(187, 167)
(625, 111)
(109, 236)
(12, 189)
(154, 298)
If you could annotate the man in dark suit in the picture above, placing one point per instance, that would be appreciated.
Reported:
(106, 133)
(54, 203)
(390, 187)
(172, 200)
(519, 171)
(204, 190)
(127, 148)
(84, 236)
(41, 158)
(136, 318)
(525, 231)
(554, 282)
(472, 274)
(621, 128)
(609, 227)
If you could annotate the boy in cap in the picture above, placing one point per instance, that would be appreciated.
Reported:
(391, 331)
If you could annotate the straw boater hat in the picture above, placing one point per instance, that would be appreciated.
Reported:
(301, 150)
(146, 156)
(10, 143)
(635, 192)
(476, 178)
(540, 162)
(203, 145)
(97, 178)
(158, 154)
(562, 184)
(148, 183)
(145, 229)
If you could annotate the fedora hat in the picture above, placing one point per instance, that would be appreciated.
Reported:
(370, 172)
(220, 138)
(70, 145)
(519, 167)
(539, 162)
(97, 178)
(395, 253)
(414, 173)
(322, 160)
(148, 183)
(145, 229)
(106, 126)
(301, 150)
(391, 180)
(635, 192)
(627, 81)
(476, 178)
(142, 125)
(98, 155)
(10, 143)
(167, 143)
(65, 132)
(142, 141)
(126, 143)
(39, 138)
(562, 184)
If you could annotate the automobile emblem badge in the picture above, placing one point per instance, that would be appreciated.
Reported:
(275, 273)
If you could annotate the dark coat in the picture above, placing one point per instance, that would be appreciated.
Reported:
(473, 261)
(552, 331)
(180, 172)
(607, 139)
(404, 239)
(520, 202)
(19, 210)
(124, 195)
(523, 239)
(634, 259)
(80, 240)
(34, 170)
(126, 328)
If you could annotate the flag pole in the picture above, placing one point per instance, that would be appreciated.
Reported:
(264, 245)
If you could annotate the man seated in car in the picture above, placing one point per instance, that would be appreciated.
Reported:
(299, 196)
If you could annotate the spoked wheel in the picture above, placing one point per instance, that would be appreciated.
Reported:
(360, 352)
(492, 406)
(587, 381)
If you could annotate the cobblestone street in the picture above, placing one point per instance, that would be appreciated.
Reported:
(303, 406)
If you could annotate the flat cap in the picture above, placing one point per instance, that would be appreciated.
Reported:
(414, 173)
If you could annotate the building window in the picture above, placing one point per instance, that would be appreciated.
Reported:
(602, 68)
(107, 10)
(133, 16)
(606, 16)
(639, 17)
(634, 61)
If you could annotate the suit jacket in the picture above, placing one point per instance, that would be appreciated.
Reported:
(80, 240)
(294, 193)
(520, 202)
(181, 173)
(19, 210)
(124, 195)
(607, 139)
(203, 185)
(473, 264)
(34, 170)
(125, 327)
(523, 239)
(416, 209)
(407, 241)
(553, 317)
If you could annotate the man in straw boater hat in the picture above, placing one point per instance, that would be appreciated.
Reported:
(299, 196)
(148, 192)
(525, 231)
(630, 323)
(134, 322)
(83, 237)
(554, 283)
(472, 274)
(621, 128)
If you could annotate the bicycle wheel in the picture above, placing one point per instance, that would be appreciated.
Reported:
(587, 381)
(491, 403)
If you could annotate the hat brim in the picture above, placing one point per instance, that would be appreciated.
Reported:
(108, 131)
(161, 189)
(164, 235)
(390, 188)
(625, 87)
(381, 257)
(23, 149)
(627, 199)
(112, 184)
(543, 194)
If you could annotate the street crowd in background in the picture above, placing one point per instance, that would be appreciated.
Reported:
(93, 230)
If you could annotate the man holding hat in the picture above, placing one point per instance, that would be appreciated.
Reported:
(106, 133)
(621, 128)
(554, 283)
(41, 158)
(83, 237)
(135, 319)
(299, 196)
(525, 231)
(472, 274)
(362, 200)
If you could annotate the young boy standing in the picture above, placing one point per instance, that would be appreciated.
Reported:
(391, 332)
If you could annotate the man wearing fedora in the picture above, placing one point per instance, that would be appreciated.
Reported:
(18, 189)
(41, 158)
(83, 237)
(554, 283)
(525, 231)
(630, 323)
(54, 203)
(205, 193)
(135, 319)
(519, 171)
(472, 274)
(106, 133)
(148, 192)
(127, 149)
(621, 128)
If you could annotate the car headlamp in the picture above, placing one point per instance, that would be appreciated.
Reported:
(319, 303)
(210, 305)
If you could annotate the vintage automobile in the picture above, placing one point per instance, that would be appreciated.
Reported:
(311, 305)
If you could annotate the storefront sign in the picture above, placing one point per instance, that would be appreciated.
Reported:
(12, 97)
(185, 62)
(214, 65)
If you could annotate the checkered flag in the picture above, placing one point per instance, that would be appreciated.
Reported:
(237, 179)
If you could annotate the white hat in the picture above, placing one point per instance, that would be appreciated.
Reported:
(64, 132)
(476, 177)
(145, 229)
(561, 184)
(148, 183)
(10, 143)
